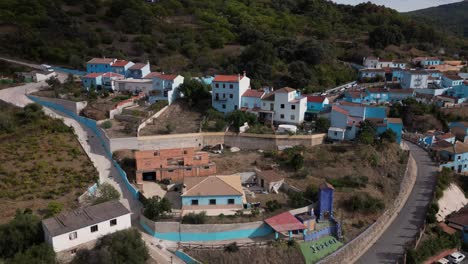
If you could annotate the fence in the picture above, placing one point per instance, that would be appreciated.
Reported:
(91, 125)
(223, 245)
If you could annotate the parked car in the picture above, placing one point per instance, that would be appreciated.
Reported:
(456, 257)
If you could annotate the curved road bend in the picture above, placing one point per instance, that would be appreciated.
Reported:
(390, 247)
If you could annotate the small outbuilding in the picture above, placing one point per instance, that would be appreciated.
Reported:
(286, 223)
(270, 180)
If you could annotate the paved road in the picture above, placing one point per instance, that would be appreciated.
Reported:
(390, 246)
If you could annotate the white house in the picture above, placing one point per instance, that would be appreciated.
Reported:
(69, 230)
(109, 78)
(227, 91)
(165, 86)
(377, 63)
(370, 62)
(284, 105)
(134, 85)
(416, 79)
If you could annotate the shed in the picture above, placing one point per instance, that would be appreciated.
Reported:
(270, 180)
(285, 222)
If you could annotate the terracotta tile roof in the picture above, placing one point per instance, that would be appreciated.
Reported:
(270, 175)
(285, 90)
(284, 222)
(227, 78)
(459, 148)
(112, 74)
(445, 136)
(394, 120)
(101, 61)
(408, 91)
(377, 90)
(453, 77)
(440, 145)
(92, 75)
(138, 66)
(120, 63)
(253, 93)
(269, 97)
(459, 218)
(447, 229)
(152, 74)
(355, 94)
(213, 186)
(162, 76)
(349, 103)
(315, 99)
(339, 110)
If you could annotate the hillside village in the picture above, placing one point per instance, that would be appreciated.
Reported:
(118, 160)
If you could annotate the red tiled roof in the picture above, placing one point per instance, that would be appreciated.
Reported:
(409, 91)
(339, 110)
(376, 90)
(253, 93)
(445, 136)
(453, 77)
(137, 66)
(285, 90)
(92, 75)
(284, 222)
(315, 99)
(394, 120)
(355, 94)
(228, 78)
(152, 74)
(349, 103)
(112, 74)
(120, 63)
(101, 61)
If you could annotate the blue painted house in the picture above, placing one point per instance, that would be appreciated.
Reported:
(165, 86)
(371, 74)
(355, 97)
(377, 95)
(213, 193)
(121, 67)
(316, 104)
(99, 65)
(227, 91)
(397, 95)
(454, 157)
(252, 100)
(138, 70)
(451, 80)
(92, 80)
(460, 91)
(427, 61)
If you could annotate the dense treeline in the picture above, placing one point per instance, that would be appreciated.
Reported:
(298, 43)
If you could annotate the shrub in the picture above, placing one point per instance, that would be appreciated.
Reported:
(296, 199)
(54, 208)
(311, 193)
(272, 205)
(364, 203)
(155, 208)
(106, 124)
(106, 192)
(232, 247)
(349, 181)
(194, 219)
(156, 107)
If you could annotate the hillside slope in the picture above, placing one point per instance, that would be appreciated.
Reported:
(295, 42)
(452, 17)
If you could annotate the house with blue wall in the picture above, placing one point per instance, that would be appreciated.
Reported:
(251, 100)
(317, 104)
(212, 193)
(451, 80)
(346, 117)
(92, 80)
(121, 67)
(376, 95)
(99, 65)
(109, 78)
(460, 130)
(355, 96)
(227, 91)
(426, 61)
(138, 70)
(454, 157)
(397, 95)
(371, 74)
(165, 86)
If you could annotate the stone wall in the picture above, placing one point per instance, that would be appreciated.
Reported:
(354, 249)
(150, 119)
(74, 107)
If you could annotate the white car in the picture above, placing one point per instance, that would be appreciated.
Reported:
(443, 261)
(456, 257)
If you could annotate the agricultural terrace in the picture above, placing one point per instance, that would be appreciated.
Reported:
(40, 161)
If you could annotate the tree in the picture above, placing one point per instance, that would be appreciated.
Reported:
(367, 132)
(383, 36)
(38, 254)
(322, 125)
(155, 208)
(106, 192)
(20, 233)
(238, 118)
(388, 136)
(194, 91)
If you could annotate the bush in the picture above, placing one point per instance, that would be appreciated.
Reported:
(349, 182)
(54, 208)
(155, 208)
(296, 199)
(364, 203)
(105, 192)
(194, 219)
(272, 205)
(106, 124)
(232, 247)
(38, 254)
(311, 193)
(156, 107)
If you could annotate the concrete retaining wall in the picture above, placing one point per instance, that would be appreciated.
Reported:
(353, 250)
(74, 107)
(150, 119)
(181, 232)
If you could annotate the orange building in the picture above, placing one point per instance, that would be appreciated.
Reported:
(172, 164)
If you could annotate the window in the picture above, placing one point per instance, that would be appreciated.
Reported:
(170, 170)
(217, 85)
(224, 85)
(459, 157)
(292, 117)
(293, 107)
(336, 133)
(224, 96)
(231, 96)
(194, 202)
(264, 104)
(94, 228)
(73, 251)
(72, 235)
(185, 152)
(212, 201)
(231, 86)
(235, 107)
(206, 167)
(188, 169)
(282, 116)
(156, 153)
(224, 106)
(230, 201)
(113, 222)
(282, 106)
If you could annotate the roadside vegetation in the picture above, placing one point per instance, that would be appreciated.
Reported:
(40, 161)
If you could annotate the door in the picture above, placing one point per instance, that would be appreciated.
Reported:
(460, 168)
(149, 176)
(262, 183)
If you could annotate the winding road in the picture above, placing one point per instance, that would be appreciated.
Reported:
(390, 247)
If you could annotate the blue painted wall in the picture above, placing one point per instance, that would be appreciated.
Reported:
(186, 258)
(325, 202)
(314, 235)
(88, 82)
(375, 112)
(205, 200)
(263, 230)
(93, 67)
(397, 128)
(430, 62)
(380, 97)
(251, 102)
